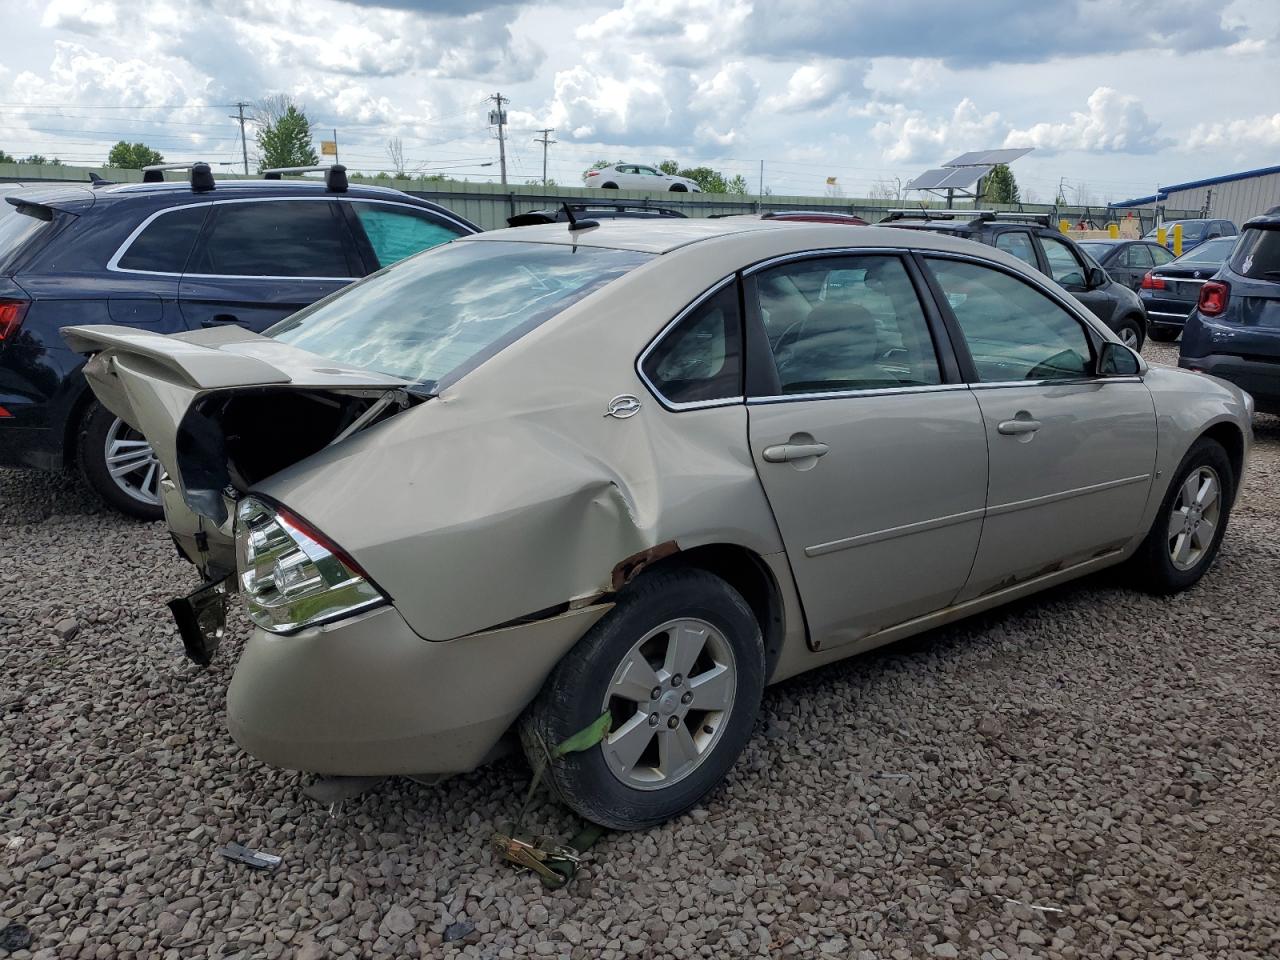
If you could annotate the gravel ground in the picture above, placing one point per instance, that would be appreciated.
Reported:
(1092, 773)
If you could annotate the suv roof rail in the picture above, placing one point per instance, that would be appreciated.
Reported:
(335, 175)
(1044, 219)
(201, 175)
(935, 213)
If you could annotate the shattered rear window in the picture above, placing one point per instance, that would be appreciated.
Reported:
(444, 312)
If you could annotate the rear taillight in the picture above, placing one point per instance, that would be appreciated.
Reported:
(1152, 282)
(1213, 298)
(593, 173)
(11, 314)
(292, 575)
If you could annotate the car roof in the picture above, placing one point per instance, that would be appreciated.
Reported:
(664, 236)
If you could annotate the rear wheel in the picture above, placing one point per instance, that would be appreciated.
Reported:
(1130, 332)
(679, 188)
(679, 664)
(1188, 530)
(119, 464)
(608, 186)
(1163, 334)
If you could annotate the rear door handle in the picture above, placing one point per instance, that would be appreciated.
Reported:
(1018, 426)
(784, 452)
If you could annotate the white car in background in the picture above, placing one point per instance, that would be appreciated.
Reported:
(635, 176)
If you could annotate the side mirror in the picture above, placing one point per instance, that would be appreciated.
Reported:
(1117, 360)
(1097, 278)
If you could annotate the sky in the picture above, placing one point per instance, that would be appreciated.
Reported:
(1116, 96)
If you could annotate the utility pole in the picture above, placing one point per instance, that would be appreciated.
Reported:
(760, 192)
(499, 117)
(244, 145)
(335, 144)
(546, 141)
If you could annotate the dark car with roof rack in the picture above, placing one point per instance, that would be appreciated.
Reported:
(1031, 238)
(1234, 332)
(170, 257)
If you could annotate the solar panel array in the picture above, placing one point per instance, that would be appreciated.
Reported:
(979, 158)
(949, 178)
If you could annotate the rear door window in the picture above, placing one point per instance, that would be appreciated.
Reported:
(396, 232)
(1257, 254)
(165, 243)
(1018, 243)
(1139, 257)
(276, 238)
(1160, 255)
(1064, 266)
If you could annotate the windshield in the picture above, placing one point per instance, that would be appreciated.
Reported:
(1097, 249)
(446, 311)
(1258, 256)
(1191, 229)
(1211, 251)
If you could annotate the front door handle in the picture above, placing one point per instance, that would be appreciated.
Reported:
(784, 452)
(1020, 425)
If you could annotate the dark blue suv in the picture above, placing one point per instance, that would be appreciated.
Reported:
(169, 257)
(1234, 332)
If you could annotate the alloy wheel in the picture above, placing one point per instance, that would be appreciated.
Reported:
(132, 463)
(1129, 337)
(1195, 516)
(670, 698)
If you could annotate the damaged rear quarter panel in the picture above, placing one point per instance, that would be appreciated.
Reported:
(511, 492)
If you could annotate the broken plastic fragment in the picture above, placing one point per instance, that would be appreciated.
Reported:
(252, 858)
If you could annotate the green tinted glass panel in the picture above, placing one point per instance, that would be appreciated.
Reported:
(398, 232)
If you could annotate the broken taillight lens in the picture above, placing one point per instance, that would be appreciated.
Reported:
(291, 574)
(11, 314)
(1213, 298)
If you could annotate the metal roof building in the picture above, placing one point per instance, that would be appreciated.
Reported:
(1235, 197)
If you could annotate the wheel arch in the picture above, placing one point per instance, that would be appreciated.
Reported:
(79, 409)
(748, 573)
(1230, 436)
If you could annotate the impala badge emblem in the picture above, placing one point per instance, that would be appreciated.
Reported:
(622, 406)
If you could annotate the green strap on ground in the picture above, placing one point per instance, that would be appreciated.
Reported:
(555, 865)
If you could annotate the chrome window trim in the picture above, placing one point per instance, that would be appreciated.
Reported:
(662, 334)
(1063, 382)
(113, 265)
(854, 392)
(823, 252)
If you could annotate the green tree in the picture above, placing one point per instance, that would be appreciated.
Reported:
(284, 135)
(1000, 186)
(35, 159)
(133, 156)
(711, 181)
(5, 158)
(669, 167)
(738, 185)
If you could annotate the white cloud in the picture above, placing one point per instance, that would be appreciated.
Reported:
(685, 33)
(1113, 122)
(906, 135)
(816, 86)
(1263, 131)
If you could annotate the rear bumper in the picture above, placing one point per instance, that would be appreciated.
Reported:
(369, 697)
(1259, 378)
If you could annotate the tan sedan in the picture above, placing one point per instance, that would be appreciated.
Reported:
(647, 468)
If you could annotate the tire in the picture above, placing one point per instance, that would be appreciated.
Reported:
(1154, 565)
(126, 493)
(1163, 334)
(597, 783)
(608, 186)
(1131, 331)
(678, 188)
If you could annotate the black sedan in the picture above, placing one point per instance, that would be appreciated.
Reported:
(1127, 261)
(1170, 292)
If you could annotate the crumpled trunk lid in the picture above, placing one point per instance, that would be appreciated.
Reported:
(224, 408)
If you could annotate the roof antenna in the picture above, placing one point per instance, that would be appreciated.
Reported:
(574, 222)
